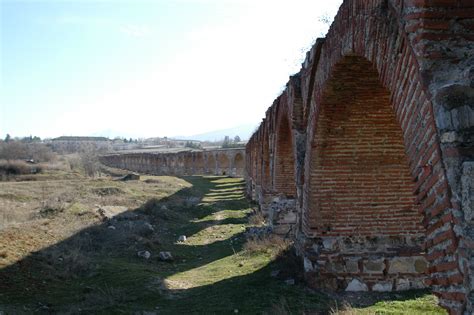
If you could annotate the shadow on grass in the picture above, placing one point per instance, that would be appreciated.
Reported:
(98, 271)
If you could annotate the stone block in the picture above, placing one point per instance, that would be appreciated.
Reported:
(402, 284)
(385, 286)
(330, 243)
(374, 266)
(356, 286)
(421, 265)
(308, 265)
(352, 265)
(402, 265)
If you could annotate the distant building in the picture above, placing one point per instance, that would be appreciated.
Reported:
(67, 144)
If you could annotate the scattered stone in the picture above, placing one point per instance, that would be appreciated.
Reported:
(182, 238)
(111, 227)
(290, 281)
(144, 254)
(236, 311)
(143, 228)
(275, 273)
(356, 286)
(164, 207)
(165, 256)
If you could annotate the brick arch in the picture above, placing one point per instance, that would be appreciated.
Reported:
(238, 164)
(266, 170)
(284, 160)
(198, 163)
(211, 163)
(371, 31)
(223, 163)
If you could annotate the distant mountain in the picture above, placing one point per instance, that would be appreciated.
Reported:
(243, 131)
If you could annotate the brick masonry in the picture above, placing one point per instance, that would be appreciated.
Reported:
(208, 162)
(367, 156)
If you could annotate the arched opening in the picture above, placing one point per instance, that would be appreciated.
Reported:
(188, 163)
(211, 164)
(198, 163)
(239, 164)
(360, 192)
(223, 164)
(266, 182)
(284, 166)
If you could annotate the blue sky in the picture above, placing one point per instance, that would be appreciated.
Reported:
(148, 68)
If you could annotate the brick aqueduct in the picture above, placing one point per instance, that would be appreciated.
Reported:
(208, 162)
(367, 157)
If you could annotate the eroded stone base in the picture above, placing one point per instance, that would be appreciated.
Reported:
(382, 264)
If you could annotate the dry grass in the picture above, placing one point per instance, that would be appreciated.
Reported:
(257, 219)
(268, 243)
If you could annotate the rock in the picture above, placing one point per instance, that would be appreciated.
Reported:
(131, 176)
(383, 287)
(144, 254)
(182, 238)
(290, 281)
(356, 286)
(164, 207)
(108, 212)
(308, 265)
(143, 228)
(330, 243)
(111, 227)
(275, 273)
(165, 256)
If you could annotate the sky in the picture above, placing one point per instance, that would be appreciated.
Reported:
(143, 68)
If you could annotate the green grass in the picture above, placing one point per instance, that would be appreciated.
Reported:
(97, 270)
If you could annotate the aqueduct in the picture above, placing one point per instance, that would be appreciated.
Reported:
(367, 157)
(203, 162)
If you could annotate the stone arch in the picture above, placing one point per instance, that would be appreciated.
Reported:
(284, 160)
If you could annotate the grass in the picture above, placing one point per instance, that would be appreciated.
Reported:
(73, 263)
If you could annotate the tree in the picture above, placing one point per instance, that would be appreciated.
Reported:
(237, 139)
(8, 138)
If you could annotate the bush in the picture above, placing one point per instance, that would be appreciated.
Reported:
(18, 168)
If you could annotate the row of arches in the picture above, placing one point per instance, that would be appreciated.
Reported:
(355, 142)
(212, 162)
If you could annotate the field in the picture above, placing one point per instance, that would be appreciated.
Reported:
(76, 245)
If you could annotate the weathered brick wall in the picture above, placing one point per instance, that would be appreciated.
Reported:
(209, 162)
(381, 121)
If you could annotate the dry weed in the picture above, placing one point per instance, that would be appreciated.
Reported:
(270, 242)
(257, 219)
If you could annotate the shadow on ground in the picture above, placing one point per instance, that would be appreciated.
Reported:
(98, 270)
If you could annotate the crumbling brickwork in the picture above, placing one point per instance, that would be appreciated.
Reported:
(367, 156)
(209, 162)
